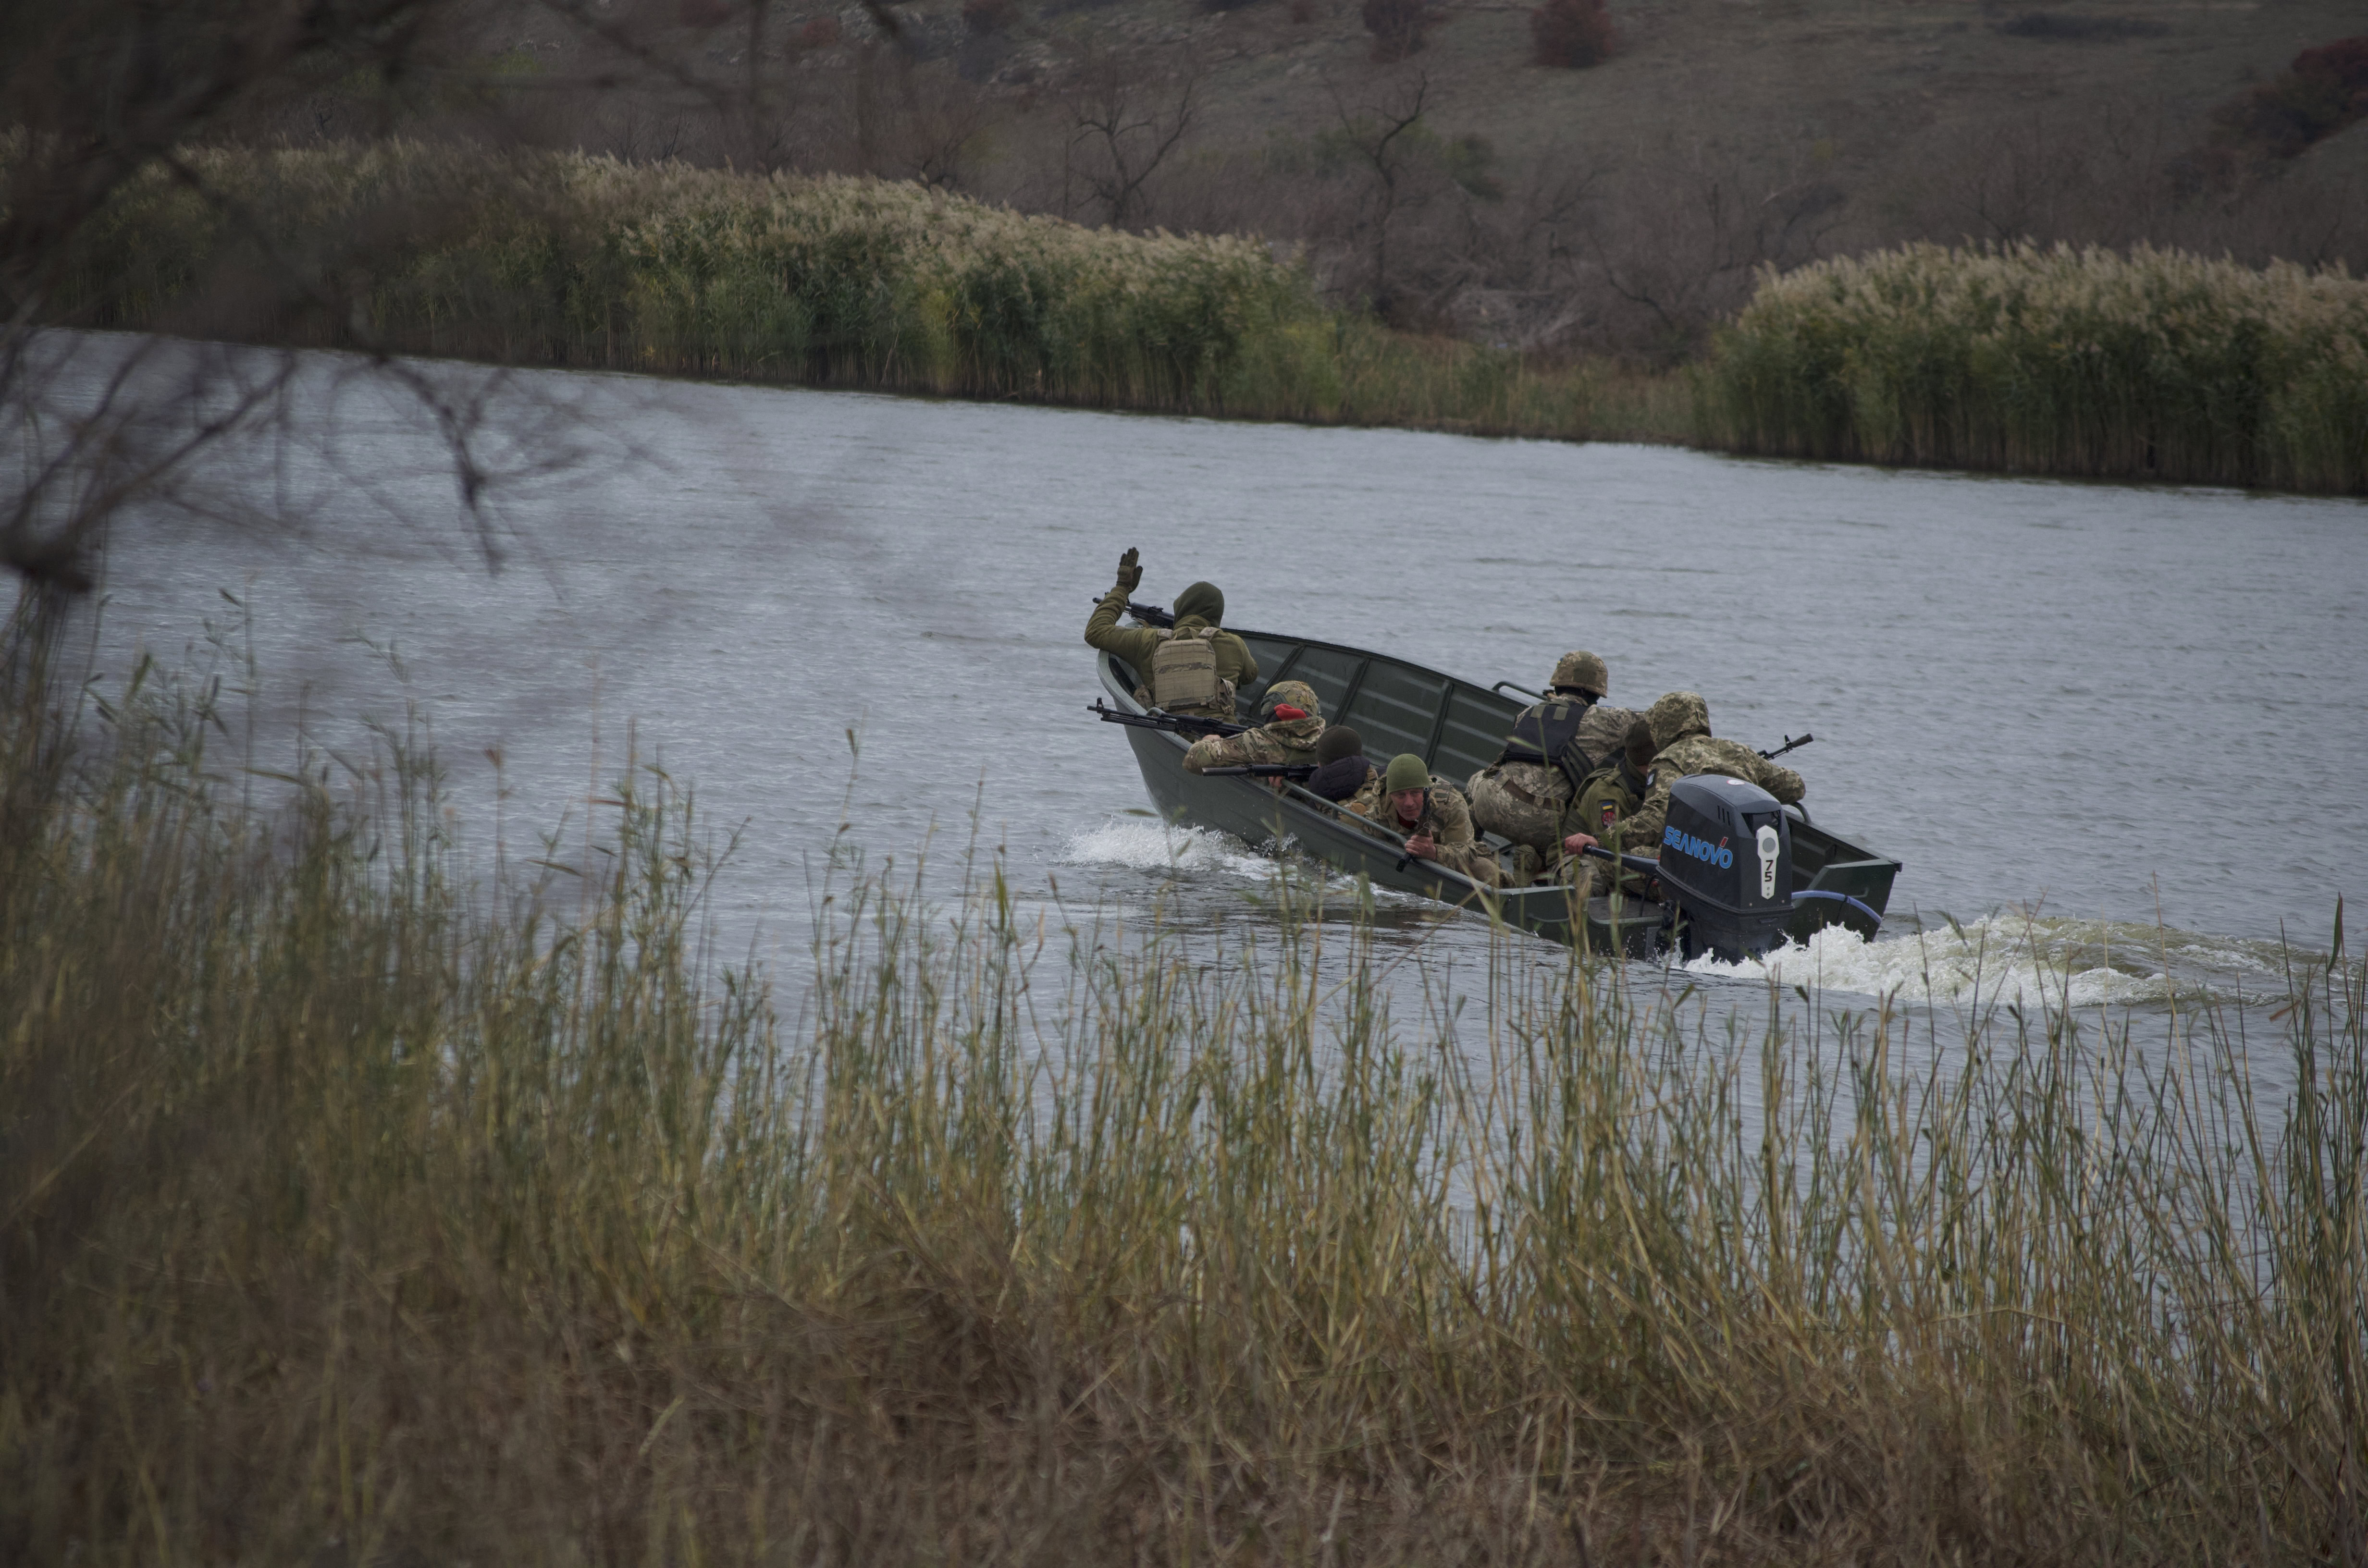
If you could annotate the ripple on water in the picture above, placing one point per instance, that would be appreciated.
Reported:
(2022, 961)
(1152, 845)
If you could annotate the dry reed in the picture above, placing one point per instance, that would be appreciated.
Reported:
(564, 259)
(2153, 364)
(351, 1212)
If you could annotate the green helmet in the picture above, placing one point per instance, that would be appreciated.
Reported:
(1405, 772)
(1297, 693)
(1582, 670)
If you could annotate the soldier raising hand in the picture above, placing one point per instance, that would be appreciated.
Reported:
(1192, 667)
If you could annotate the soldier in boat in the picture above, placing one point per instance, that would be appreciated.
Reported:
(1193, 666)
(1526, 793)
(1430, 816)
(1680, 722)
(1295, 720)
(1605, 809)
(1341, 766)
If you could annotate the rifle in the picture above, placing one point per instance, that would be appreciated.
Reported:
(1150, 615)
(1174, 723)
(1789, 744)
(1297, 772)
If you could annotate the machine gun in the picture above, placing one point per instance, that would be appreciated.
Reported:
(1150, 615)
(1789, 745)
(1174, 723)
(1297, 772)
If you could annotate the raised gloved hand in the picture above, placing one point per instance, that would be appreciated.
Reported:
(1130, 571)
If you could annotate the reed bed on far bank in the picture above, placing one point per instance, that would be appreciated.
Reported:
(352, 1211)
(2153, 364)
(569, 260)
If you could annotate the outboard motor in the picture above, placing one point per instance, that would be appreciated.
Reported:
(1727, 862)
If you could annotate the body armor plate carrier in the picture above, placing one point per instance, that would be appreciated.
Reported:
(1184, 674)
(1547, 732)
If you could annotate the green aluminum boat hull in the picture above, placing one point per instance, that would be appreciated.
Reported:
(1456, 726)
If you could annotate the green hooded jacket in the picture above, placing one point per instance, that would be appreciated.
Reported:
(1135, 644)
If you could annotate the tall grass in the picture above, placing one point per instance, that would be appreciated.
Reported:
(2148, 364)
(562, 260)
(353, 1211)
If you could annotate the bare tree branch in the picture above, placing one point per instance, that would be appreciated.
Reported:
(1127, 118)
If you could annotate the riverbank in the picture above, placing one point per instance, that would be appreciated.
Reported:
(358, 1200)
(2149, 365)
(569, 261)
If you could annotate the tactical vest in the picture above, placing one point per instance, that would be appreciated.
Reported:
(1547, 734)
(1184, 673)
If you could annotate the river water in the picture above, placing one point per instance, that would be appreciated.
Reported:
(2104, 725)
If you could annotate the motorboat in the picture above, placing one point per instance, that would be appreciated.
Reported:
(1737, 874)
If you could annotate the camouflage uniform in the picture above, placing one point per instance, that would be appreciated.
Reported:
(1617, 790)
(1135, 644)
(1606, 807)
(1280, 739)
(1529, 803)
(1681, 724)
(1524, 801)
(1445, 818)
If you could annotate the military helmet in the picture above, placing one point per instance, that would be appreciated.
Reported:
(1405, 772)
(1297, 693)
(1676, 714)
(1582, 670)
(1338, 741)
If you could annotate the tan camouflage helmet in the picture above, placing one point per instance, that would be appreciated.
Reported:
(1676, 715)
(1583, 670)
(1297, 693)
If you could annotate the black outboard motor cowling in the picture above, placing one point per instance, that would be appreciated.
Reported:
(1727, 861)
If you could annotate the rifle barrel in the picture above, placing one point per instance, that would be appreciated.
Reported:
(1150, 615)
(1174, 723)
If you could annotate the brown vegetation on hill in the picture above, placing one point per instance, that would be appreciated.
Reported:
(2323, 91)
(1572, 34)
